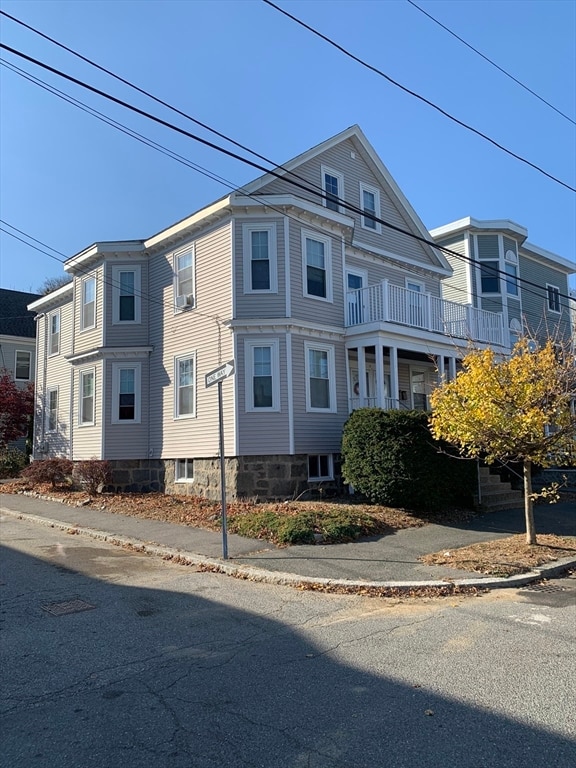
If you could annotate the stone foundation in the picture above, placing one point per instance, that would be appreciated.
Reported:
(247, 477)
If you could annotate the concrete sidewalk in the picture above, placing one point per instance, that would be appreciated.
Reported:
(381, 561)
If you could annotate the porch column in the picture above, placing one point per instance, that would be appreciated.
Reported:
(451, 368)
(394, 386)
(440, 362)
(362, 394)
(379, 354)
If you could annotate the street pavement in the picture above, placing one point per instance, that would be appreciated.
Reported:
(383, 560)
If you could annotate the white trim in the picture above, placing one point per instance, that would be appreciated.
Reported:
(247, 231)
(83, 304)
(189, 248)
(234, 269)
(330, 359)
(500, 225)
(290, 394)
(116, 368)
(287, 272)
(116, 270)
(377, 227)
(83, 372)
(103, 353)
(22, 352)
(371, 252)
(291, 202)
(177, 358)
(327, 242)
(179, 229)
(327, 171)
(420, 283)
(249, 346)
(50, 298)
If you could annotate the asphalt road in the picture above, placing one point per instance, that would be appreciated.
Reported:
(165, 666)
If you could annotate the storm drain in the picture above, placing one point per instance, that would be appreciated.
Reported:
(63, 607)
(543, 588)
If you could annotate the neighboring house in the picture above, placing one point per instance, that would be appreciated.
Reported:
(322, 308)
(17, 339)
(493, 256)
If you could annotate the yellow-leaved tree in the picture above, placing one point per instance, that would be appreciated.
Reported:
(517, 408)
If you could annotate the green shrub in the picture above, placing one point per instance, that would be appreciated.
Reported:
(53, 471)
(391, 458)
(93, 474)
(12, 462)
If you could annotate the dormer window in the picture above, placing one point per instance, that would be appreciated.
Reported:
(333, 186)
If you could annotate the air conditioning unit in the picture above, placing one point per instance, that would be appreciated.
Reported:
(182, 302)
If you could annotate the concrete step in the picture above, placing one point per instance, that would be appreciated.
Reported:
(504, 505)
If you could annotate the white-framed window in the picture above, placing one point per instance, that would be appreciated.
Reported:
(333, 186)
(511, 278)
(184, 277)
(184, 470)
(320, 466)
(320, 377)
(22, 365)
(185, 386)
(260, 258)
(126, 282)
(52, 409)
(317, 266)
(489, 276)
(126, 393)
(88, 313)
(553, 294)
(87, 397)
(262, 374)
(54, 333)
(370, 204)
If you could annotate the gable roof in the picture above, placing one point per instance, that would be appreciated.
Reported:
(15, 319)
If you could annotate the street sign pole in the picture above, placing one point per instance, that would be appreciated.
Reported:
(222, 474)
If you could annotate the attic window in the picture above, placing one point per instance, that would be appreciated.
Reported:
(333, 186)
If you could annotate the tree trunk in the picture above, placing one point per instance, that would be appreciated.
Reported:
(528, 504)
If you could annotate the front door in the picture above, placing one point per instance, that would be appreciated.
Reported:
(355, 301)
(420, 390)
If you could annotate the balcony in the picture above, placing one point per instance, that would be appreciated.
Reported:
(389, 303)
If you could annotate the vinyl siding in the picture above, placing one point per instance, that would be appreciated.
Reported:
(199, 331)
(259, 304)
(127, 440)
(381, 270)
(535, 301)
(488, 247)
(87, 442)
(93, 337)
(455, 288)
(126, 334)
(8, 349)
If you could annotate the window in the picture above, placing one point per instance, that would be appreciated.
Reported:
(316, 264)
(184, 278)
(333, 186)
(259, 243)
(489, 277)
(87, 397)
(54, 342)
(553, 298)
(320, 377)
(88, 303)
(370, 203)
(511, 279)
(126, 393)
(126, 294)
(320, 467)
(184, 470)
(52, 411)
(185, 394)
(22, 366)
(262, 375)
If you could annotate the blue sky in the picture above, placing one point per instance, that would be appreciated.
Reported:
(244, 69)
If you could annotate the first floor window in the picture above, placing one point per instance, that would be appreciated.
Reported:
(262, 375)
(184, 470)
(553, 298)
(185, 386)
(489, 277)
(54, 342)
(262, 379)
(22, 367)
(52, 411)
(87, 397)
(320, 378)
(126, 392)
(88, 303)
(320, 467)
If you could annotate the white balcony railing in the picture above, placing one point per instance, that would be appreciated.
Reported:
(393, 304)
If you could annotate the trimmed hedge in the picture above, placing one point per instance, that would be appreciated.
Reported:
(391, 458)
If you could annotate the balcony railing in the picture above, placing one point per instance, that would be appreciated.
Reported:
(393, 304)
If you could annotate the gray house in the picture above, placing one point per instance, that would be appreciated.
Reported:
(495, 255)
(322, 308)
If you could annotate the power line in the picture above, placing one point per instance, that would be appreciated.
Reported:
(304, 186)
(417, 95)
(490, 61)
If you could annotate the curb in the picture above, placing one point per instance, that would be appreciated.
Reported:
(250, 573)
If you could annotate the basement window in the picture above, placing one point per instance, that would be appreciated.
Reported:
(184, 470)
(320, 467)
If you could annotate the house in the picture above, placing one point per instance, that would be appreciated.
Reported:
(17, 339)
(295, 278)
(495, 268)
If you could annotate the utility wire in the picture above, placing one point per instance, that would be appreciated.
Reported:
(490, 61)
(417, 95)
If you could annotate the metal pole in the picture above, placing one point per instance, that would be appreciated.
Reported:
(222, 474)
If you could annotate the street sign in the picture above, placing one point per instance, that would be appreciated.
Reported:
(222, 372)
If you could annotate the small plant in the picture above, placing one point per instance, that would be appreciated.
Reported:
(93, 474)
(12, 462)
(53, 471)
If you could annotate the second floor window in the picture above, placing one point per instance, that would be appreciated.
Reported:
(185, 393)
(22, 369)
(316, 258)
(184, 278)
(259, 246)
(54, 341)
(125, 294)
(87, 405)
(553, 293)
(88, 303)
